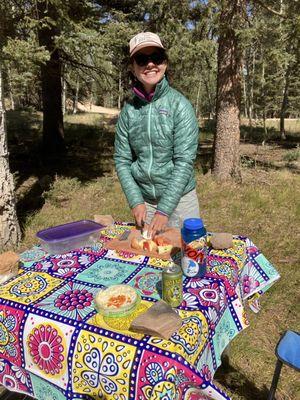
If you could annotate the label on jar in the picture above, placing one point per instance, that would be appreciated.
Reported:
(193, 261)
(190, 267)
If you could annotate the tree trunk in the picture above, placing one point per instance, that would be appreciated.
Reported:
(284, 103)
(251, 96)
(198, 98)
(11, 96)
(245, 93)
(75, 98)
(51, 72)
(64, 89)
(263, 81)
(120, 91)
(9, 227)
(227, 137)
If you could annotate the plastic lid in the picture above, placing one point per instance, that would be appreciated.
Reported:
(69, 231)
(193, 224)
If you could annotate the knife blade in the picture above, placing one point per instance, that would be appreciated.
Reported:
(124, 235)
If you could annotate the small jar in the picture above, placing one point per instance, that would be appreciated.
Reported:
(193, 254)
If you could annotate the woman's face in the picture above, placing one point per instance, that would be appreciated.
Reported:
(149, 70)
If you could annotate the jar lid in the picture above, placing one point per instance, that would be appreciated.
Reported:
(193, 224)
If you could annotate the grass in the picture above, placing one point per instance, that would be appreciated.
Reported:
(291, 125)
(265, 207)
(292, 155)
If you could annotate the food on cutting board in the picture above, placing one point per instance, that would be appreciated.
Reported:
(149, 245)
(159, 244)
(164, 245)
(137, 244)
(146, 235)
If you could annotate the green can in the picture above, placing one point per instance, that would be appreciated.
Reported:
(172, 285)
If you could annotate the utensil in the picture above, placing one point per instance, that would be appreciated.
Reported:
(124, 235)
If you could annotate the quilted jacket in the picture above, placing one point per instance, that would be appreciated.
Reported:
(155, 148)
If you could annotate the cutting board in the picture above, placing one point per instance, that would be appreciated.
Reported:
(172, 234)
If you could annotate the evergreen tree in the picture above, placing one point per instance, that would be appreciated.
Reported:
(9, 226)
(227, 137)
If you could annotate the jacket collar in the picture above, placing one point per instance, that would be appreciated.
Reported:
(160, 90)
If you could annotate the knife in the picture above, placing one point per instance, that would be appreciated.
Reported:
(125, 234)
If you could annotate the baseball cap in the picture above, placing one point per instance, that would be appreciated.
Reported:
(142, 40)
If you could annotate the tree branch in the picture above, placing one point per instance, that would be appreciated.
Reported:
(266, 7)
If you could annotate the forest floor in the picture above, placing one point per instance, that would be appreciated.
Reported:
(264, 207)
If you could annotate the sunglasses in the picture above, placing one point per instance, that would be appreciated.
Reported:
(143, 59)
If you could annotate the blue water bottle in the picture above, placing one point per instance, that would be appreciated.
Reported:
(193, 261)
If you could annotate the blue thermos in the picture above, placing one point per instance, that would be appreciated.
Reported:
(193, 260)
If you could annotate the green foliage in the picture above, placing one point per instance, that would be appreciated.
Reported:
(271, 60)
(92, 38)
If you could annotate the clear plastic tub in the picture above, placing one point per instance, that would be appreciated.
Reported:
(117, 301)
(63, 238)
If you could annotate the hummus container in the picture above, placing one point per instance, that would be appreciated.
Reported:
(117, 301)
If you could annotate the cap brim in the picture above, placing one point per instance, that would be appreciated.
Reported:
(145, 44)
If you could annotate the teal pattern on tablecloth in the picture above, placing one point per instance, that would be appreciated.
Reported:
(107, 272)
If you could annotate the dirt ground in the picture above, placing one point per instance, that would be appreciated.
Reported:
(97, 109)
(269, 156)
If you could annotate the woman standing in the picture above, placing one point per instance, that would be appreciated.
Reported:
(156, 142)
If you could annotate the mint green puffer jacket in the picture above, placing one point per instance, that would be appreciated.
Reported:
(155, 148)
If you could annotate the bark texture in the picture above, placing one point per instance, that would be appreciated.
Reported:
(226, 163)
(9, 226)
(51, 74)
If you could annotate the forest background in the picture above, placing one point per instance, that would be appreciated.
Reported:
(61, 59)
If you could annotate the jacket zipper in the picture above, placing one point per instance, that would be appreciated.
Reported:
(151, 150)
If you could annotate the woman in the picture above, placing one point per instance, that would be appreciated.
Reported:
(156, 142)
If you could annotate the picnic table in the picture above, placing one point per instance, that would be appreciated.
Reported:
(54, 346)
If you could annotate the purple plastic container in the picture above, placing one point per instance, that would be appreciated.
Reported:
(63, 238)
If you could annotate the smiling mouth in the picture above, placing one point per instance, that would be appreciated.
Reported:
(150, 73)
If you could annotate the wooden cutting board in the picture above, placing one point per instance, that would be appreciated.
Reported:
(172, 234)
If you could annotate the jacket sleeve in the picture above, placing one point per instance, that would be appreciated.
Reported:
(123, 159)
(186, 132)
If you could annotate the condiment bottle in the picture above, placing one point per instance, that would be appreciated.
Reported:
(193, 260)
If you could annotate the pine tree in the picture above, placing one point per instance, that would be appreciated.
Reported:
(9, 226)
(227, 137)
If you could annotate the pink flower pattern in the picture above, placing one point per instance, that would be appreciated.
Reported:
(46, 349)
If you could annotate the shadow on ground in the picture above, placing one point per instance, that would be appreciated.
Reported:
(89, 154)
(238, 383)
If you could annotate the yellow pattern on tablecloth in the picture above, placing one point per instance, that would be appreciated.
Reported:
(101, 366)
(29, 287)
(237, 253)
(189, 340)
(121, 324)
(158, 262)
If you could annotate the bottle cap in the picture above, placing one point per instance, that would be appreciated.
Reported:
(193, 224)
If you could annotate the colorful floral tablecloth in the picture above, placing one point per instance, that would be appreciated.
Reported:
(54, 346)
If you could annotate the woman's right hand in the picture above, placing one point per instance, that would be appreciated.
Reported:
(139, 212)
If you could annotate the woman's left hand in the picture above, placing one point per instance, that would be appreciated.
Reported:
(158, 224)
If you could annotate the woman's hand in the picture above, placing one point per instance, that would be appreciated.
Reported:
(158, 224)
(139, 212)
